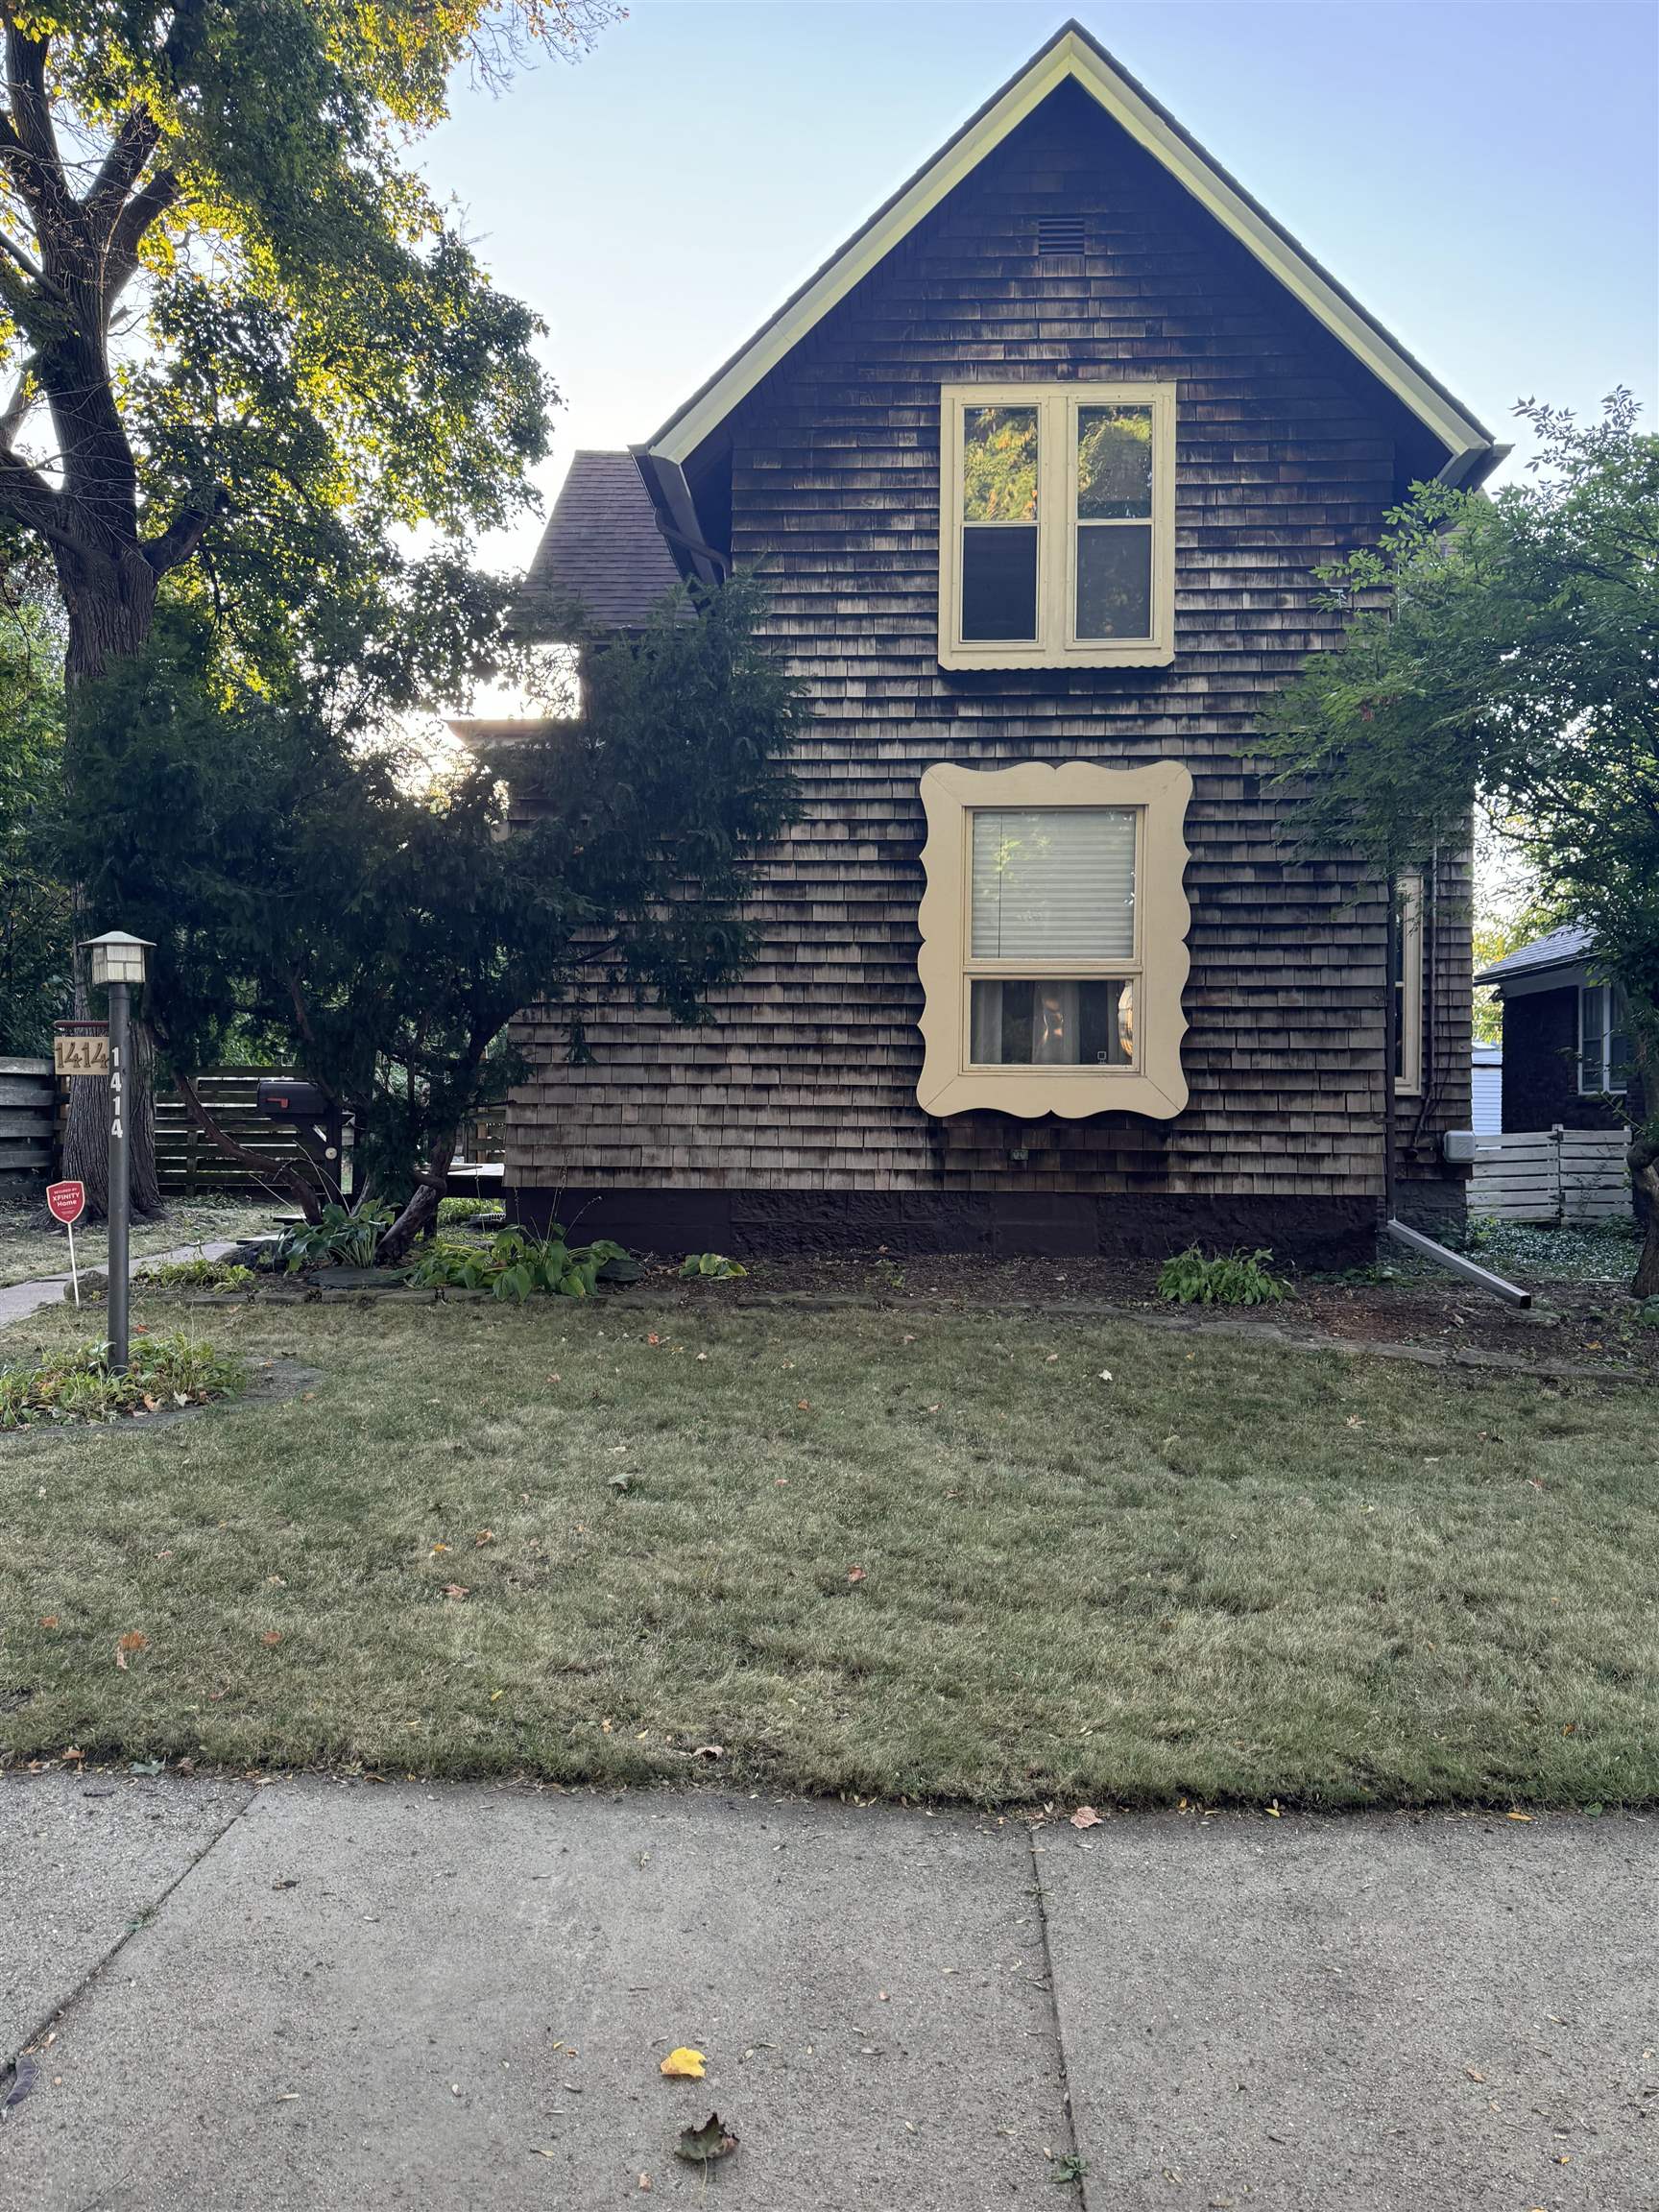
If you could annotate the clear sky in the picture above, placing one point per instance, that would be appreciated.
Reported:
(1483, 176)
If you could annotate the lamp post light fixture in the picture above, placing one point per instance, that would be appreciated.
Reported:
(117, 966)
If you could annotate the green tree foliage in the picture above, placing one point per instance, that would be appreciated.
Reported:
(1507, 649)
(252, 358)
(249, 347)
(34, 925)
(385, 926)
(1495, 937)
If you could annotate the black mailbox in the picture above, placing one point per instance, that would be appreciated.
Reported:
(291, 1098)
(318, 1122)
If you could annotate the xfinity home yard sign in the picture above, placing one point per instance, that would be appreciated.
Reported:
(66, 1202)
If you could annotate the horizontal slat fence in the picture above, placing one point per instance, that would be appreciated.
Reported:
(28, 1115)
(188, 1164)
(1551, 1175)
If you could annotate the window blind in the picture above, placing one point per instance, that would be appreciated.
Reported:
(1053, 883)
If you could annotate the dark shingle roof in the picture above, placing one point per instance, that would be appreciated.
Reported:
(601, 547)
(1560, 950)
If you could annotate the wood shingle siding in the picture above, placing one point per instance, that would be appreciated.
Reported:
(1288, 456)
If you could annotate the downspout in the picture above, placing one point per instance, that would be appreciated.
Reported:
(1414, 1240)
(1391, 1047)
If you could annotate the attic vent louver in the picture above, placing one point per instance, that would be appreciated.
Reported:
(1059, 234)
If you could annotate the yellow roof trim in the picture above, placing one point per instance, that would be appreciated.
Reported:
(1072, 55)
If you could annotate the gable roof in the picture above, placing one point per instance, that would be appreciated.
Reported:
(602, 547)
(1071, 54)
(1562, 948)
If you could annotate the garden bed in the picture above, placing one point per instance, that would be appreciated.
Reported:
(1576, 1322)
(1582, 1319)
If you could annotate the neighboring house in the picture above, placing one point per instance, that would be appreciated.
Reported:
(1041, 465)
(1486, 1090)
(1566, 1047)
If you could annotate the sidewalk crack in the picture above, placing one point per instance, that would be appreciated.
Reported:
(1072, 2149)
(29, 2048)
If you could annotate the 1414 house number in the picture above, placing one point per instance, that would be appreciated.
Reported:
(81, 1055)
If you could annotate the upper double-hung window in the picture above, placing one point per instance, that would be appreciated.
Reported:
(1057, 542)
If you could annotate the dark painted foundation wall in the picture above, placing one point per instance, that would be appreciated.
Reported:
(1316, 1232)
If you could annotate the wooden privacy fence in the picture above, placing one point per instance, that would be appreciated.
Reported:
(28, 1117)
(188, 1164)
(1553, 1175)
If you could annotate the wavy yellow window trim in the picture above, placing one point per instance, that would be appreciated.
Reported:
(1155, 1085)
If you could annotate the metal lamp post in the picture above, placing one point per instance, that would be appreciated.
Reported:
(117, 965)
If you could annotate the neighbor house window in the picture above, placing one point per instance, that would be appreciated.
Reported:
(1057, 525)
(1408, 985)
(1054, 939)
(1603, 1040)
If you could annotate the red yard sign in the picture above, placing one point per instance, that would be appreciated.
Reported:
(66, 1201)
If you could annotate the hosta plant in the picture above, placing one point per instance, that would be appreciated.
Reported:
(337, 1239)
(1230, 1279)
(514, 1265)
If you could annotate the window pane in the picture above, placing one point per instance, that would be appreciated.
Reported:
(1000, 465)
(1620, 1060)
(1592, 1002)
(1000, 582)
(1115, 581)
(1114, 463)
(1053, 883)
(1052, 1024)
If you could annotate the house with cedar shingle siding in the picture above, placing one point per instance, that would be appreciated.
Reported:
(1041, 468)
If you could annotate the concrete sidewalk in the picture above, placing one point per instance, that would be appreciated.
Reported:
(18, 1300)
(327, 1994)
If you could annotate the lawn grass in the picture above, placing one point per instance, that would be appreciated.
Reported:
(33, 1245)
(1232, 1572)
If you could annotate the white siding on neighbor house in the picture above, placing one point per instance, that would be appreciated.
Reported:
(1486, 1082)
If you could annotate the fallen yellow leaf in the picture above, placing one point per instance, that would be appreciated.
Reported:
(684, 2065)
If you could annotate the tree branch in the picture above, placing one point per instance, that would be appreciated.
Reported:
(284, 1173)
(122, 167)
(127, 234)
(31, 143)
(26, 497)
(29, 267)
(16, 409)
(176, 544)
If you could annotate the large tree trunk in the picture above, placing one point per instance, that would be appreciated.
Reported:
(86, 1134)
(1644, 1176)
(109, 597)
(110, 600)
